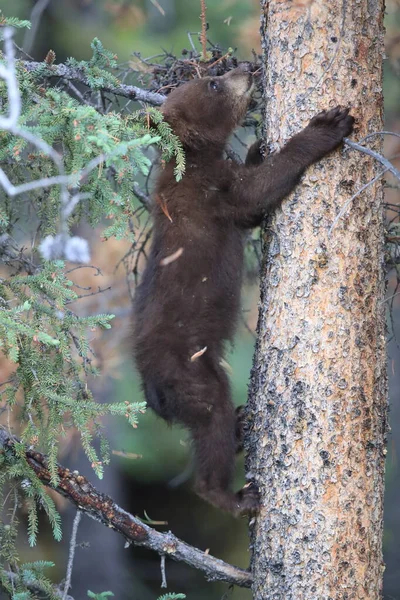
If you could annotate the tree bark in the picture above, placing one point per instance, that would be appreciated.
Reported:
(318, 400)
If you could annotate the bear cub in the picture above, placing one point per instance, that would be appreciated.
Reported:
(187, 304)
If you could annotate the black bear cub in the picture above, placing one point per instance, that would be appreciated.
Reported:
(187, 304)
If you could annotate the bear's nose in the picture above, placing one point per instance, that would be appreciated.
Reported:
(245, 66)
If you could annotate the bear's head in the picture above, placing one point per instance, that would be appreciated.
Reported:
(205, 111)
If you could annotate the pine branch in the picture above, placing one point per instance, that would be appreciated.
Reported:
(78, 490)
(72, 74)
(35, 587)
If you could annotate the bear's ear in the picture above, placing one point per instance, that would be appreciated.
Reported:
(168, 114)
(180, 125)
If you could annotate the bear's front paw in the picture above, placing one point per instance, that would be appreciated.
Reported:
(332, 126)
(256, 153)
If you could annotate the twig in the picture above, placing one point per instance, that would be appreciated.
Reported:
(384, 161)
(96, 293)
(76, 249)
(6, 382)
(390, 298)
(189, 34)
(62, 245)
(85, 267)
(77, 93)
(8, 74)
(71, 555)
(163, 574)
(78, 490)
(347, 204)
(140, 195)
(375, 133)
(392, 186)
(10, 123)
(203, 35)
(72, 74)
(220, 59)
(172, 257)
(158, 7)
(50, 181)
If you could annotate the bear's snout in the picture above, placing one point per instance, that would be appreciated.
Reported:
(240, 80)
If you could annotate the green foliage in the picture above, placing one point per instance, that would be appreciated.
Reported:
(29, 582)
(85, 134)
(49, 344)
(14, 22)
(48, 391)
(169, 143)
(95, 68)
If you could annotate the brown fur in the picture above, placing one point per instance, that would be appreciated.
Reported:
(193, 301)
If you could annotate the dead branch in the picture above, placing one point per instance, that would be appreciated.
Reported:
(71, 554)
(70, 74)
(384, 161)
(142, 196)
(203, 35)
(100, 507)
(350, 200)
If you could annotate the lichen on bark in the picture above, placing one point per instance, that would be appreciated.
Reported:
(318, 402)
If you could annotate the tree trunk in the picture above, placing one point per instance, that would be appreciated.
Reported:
(318, 395)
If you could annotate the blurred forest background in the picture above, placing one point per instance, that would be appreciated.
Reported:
(157, 482)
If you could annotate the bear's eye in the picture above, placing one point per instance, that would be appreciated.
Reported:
(213, 85)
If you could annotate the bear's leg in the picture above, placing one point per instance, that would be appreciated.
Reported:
(215, 447)
(212, 420)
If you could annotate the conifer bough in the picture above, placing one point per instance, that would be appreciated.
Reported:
(78, 490)
(73, 74)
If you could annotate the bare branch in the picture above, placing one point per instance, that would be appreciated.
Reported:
(203, 35)
(10, 123)
(163, 573)
(46, 182)
(62, 245)
(78, 490)
(142, 196)
(8, 74)
(72, 74)
(71, 555)
(384, 161)
(350, 200)
(375, 133)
